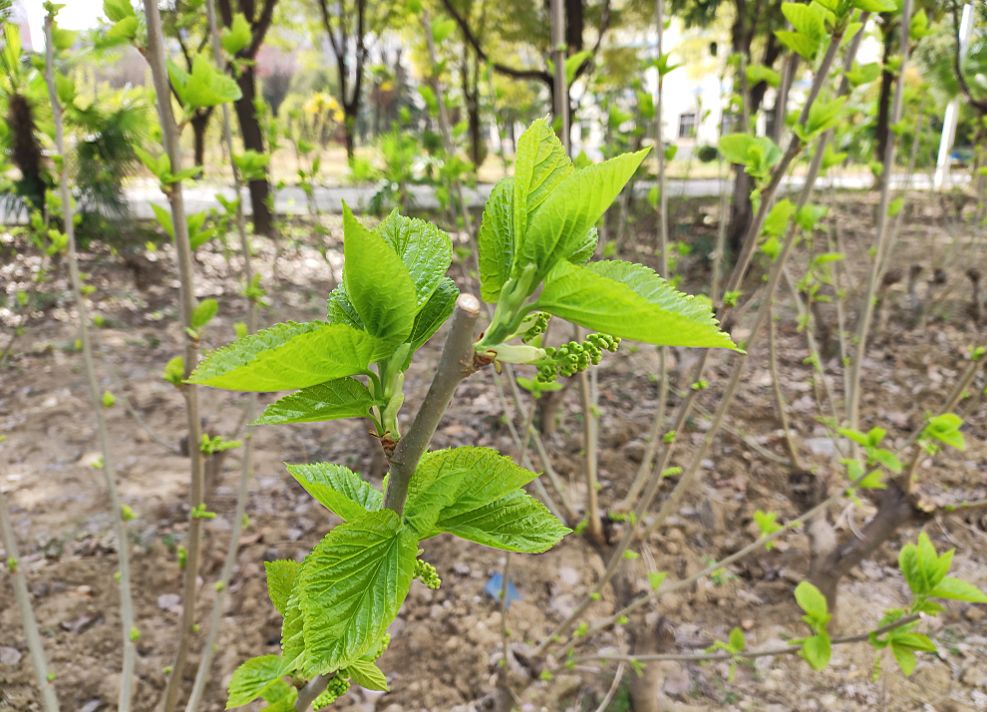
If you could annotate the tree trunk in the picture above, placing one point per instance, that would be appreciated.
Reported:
(349, 131)
(742, 210)
(471, 97)
(200, 122)
(26, 152)
(882, 126)
(827, 568)
(476, 140)
(575, 23)
(253, 140)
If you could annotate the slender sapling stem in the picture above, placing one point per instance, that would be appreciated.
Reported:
(883, 232)
(780, 405)
(455, 364)
(752, 654)
(444, 127)
(250, 406)
(685, 481)
(129, 631)
(22, 596)
(658, 423)
(169, 134)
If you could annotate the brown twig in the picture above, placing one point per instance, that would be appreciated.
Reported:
(314, 688)
(780, 405)
(658, 422)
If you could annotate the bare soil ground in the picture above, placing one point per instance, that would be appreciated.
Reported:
(447, 642)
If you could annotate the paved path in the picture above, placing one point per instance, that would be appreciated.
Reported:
(329, 199)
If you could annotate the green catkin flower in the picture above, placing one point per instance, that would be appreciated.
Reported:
(384, 642)
(537, 328)
(335, 688)
(574, 357)
(427, 574)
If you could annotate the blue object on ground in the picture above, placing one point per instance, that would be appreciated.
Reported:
(494, 586)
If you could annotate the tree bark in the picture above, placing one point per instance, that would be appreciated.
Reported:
(882, 125)
(741, 210)
(575, 23)
(200, 123)
(260, 19)
(828, 568)
(471, 97)
(349, 134)
(253, 140)
(26, 152)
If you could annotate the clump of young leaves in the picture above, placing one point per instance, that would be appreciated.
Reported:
(816, 648)
(538, 231)
(537, 236)
(927, 575)
(876, 458)
(735, 645)
(815, 27)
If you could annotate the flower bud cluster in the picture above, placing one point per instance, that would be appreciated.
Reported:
(381, 647)
(335, 688)
(427, 574)
(574, 357)
(537, 328)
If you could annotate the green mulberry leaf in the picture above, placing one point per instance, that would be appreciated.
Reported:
(377, 283)
(455, 481)
(905, 657)
(340, 398)
(204, 86)
(540, 166)
(425, 250)
(817, 651)
(280, 697)
(631, 301)
(434, 314)
(281, 577)
(496, 240)
(292, 632)
(338, 489)
(352, 586)
(116, 10)
(515, 522)
(367, 675)
(955, 589)
(238, 35)
(255, 677)
(558, 229)
(287, 356)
